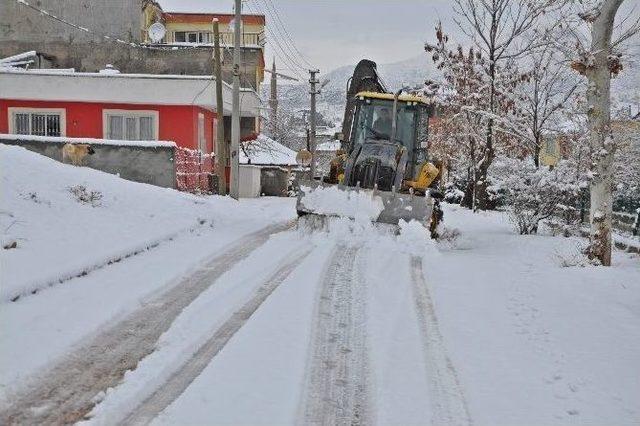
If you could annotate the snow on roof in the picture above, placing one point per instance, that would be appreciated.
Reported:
(264, 151)
(329, 146)
(64, 139)
(70, 86)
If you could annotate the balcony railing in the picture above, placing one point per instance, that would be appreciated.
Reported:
(253, 39)
(248, 39)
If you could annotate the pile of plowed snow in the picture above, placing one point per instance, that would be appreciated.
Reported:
(59, 221)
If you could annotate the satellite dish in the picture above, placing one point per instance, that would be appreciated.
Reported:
(156, 32)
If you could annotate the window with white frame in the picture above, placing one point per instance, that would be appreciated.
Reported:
(37, 121)
(130, 125)
(192, 37)
(202, 140)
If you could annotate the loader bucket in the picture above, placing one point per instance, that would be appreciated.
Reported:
(357, 203)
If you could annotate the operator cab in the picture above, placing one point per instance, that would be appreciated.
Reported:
(371, 137)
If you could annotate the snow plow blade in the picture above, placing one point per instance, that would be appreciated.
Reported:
(324, 199)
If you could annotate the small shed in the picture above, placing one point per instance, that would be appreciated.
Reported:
(274, 161)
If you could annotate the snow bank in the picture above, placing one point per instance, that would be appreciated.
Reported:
(332, 201)
(64, 139)
(67, 221)
(534, 342)
(59, 237)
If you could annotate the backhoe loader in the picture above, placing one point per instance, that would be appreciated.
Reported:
(383, 153)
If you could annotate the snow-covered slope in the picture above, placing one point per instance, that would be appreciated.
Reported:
(134, 242)
(67, 220)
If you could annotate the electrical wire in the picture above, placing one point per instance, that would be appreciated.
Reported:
(110, 38)
(280, 52)
(288, 37)
(279, 39)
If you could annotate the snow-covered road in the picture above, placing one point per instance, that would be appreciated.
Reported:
(271, 322)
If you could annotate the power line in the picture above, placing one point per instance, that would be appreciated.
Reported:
(110, 38)
(280, 38)
(284, 58)
(276, 36)
(288, 38)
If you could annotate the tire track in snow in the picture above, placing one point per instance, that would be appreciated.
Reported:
(64, 393)
(190, 370)
(337, 390)
(448, 401)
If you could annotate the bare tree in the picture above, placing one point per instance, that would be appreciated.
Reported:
(548, 89)
(473, 102)
(498, 28)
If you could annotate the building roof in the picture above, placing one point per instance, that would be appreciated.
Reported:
(390, 96)
(206, 18)
(114, 87)
(333, 145)
(264, 151)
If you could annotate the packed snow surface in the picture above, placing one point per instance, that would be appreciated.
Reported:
(110, 252)
(486, 328)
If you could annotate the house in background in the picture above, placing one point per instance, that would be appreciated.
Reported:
(185, 30)
(118, 107)
(185, 50)
(195, 30)
(550, 151)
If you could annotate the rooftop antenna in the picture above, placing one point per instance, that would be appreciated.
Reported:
(156, 32)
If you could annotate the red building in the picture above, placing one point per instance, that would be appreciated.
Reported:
(115, 106)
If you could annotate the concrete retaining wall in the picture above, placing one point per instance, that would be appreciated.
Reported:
(23, 29)
(139, 163)
(120, 18)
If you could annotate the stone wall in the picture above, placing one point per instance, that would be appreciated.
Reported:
(23, 29)
(93, 56)
(146, 164)
(119, 18)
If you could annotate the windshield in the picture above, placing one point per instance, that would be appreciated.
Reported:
(374, 121)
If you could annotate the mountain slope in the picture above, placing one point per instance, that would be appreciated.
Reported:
(410, 72)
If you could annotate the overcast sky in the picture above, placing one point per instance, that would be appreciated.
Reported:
(331, 33)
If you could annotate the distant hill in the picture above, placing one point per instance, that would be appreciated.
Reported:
(410, 72)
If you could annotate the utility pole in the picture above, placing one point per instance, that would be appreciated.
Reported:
(221, 149)
(306, 128)
(234, 187)
(312, 120)
(273, 100)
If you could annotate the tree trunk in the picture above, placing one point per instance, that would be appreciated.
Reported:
(482, 201)
(536, 149)
(600, 139)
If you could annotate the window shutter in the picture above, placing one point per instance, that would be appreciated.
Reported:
(131, 131)
(53, 125)
(146, 128)
(115, 127)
